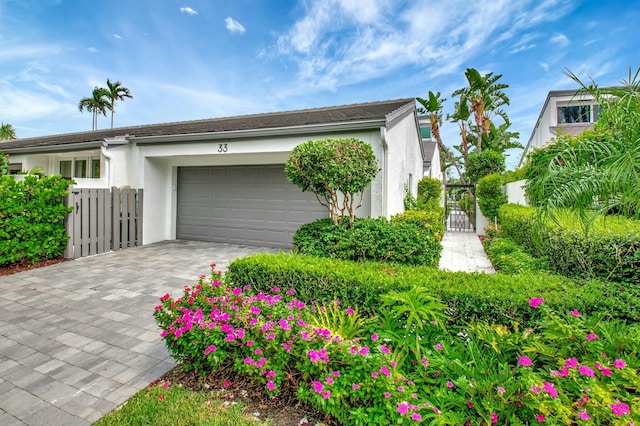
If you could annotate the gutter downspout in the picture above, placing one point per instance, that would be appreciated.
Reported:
(385, 169)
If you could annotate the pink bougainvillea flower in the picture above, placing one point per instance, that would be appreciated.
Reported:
(575, 313)
(470, 404)
(161, 398)
(317, 386)
(619, 408)
(535, 389)
(619, 363)
(571, 363)
(364, 350)
(400, 388)
(385, 370)
(550, 388)
(227, 383)
(393, 363)
(501, 390)
(417, 417)
(403, 408)
(374, 337)
(210, 349)
(438, 346)
(582, 415)
(326, 394)
(355, 386)
(534, 302)
(387, 395)
(540, 418)
(494, 418)
(328, 380)
(384, 349)
(374, 374)
(450, 384)
(270, 385)
(349, 311)
(335, 374)
(166, 385)
(586, 371)
(592, 336)
(524, 361)
(271, 374)
(605, 372)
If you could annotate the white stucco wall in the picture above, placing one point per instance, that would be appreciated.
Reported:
(404, 159)
(515, 192)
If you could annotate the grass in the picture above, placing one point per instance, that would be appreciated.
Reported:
(176, 406)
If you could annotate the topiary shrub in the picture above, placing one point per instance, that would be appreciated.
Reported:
(335, 170)
(368, 240)
(432, 220)
(490, 195)
(429, 194)
(481, 164)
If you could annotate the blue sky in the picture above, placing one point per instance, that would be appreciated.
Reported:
(192, 59)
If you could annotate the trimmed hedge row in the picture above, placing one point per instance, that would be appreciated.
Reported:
(470, 297)
(369, 239)
(31, 219)
(610, 251)
(431, 221)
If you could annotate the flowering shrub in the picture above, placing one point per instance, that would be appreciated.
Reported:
(404, 366)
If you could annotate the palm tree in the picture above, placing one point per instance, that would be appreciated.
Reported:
(7, 132)
(116, 91)
(98, 103)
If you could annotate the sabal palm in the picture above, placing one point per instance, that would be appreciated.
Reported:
(115, 91)
(7, 132)
(98, 103)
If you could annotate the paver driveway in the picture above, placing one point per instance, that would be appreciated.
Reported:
(77, 339)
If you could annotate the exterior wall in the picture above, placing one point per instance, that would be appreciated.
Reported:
(515, 192)
(404, 162)
(153, 167)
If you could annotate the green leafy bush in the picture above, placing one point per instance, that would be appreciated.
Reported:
(490, 195)
(429, 194)
(337, 171)
(481, 164)
(609, 251)
(507, 257)
(404, 365)
(469, 297)
(369, 239)
(430, 220)
(32, 216)
(516, 175)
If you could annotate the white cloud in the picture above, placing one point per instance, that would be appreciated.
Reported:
(234, 26)
(188, 11)
(118, 36)
(560, 39)
(544, 66)
(92, 50)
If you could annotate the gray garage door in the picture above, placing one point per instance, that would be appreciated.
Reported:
(251, 205)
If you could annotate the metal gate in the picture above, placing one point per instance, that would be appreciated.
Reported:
(461, 208)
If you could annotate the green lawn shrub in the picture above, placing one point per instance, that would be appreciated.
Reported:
(469, 297)
(429, 194)
(481, 164)
(32, 216)
(507, 257)
(369, 239)
(431, 221)
(491, 195)
(609, 251)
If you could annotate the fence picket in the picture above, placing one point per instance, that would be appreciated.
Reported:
(102, 220)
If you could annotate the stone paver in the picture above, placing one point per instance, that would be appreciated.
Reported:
(78, 338)
(463, 251)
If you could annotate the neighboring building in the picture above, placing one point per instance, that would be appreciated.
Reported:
(432, 166)
(223, 179)
(568, 111)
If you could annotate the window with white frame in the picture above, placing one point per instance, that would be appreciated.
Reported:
(80, 167)
(578, 113)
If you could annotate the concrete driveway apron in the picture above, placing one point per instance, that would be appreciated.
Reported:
(78, 338)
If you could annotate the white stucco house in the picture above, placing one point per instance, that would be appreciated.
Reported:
(223, 179)
(567, 111)
(432, 165)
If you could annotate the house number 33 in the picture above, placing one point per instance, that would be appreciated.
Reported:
(222, 147)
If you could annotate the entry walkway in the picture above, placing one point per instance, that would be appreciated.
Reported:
(463, 251)
(77, 339)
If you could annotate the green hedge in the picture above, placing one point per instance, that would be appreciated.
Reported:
(32, 219)
(609, 251)
(507, 257)
(369, 240)
(470, 297)
(431, 221)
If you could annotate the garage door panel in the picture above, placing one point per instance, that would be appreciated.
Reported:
(251, 205)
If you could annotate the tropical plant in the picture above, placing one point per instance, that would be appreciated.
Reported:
(490, 195)
(4, 164)
(98, 103)
(429, 193)
(7, 132)
(481, 164)
(337, 171)
(597, 172)
(115, 91)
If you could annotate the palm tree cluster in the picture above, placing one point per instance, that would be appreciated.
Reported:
(103, 99)
(7, 132)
